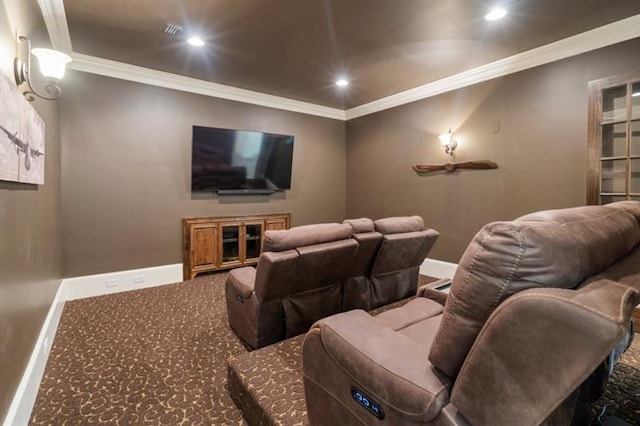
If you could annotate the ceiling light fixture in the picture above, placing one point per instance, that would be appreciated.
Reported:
(495, 14)
(342, 82)
(195, 41)
(52, 65)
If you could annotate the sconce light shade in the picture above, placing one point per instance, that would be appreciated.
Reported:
(445, 138)
(52, 63)
(448, 142)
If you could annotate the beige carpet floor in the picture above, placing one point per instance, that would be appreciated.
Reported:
(159, 356)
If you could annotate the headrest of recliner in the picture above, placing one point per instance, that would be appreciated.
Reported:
(363, 224)
(306, 235)
(399, 224)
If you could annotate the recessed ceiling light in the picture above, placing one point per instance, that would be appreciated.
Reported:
(495, 13)
(195, 41)
(342, 82)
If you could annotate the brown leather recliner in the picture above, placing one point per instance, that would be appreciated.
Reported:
(387, 264)
(297, 281)
(534, 308)
(394, 273)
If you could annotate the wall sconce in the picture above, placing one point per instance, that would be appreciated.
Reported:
(450, 145)
(448, 142)
(52, 65)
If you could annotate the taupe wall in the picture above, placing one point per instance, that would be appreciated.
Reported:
(126, 165)
(30, 252)
(541, 149)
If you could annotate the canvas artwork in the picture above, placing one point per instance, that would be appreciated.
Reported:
(21, 137)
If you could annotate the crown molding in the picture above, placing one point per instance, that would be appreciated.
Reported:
(617, 32)
(122, 71)
(55, 18)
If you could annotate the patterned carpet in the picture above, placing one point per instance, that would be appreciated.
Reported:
(159, 356)
(152, 356)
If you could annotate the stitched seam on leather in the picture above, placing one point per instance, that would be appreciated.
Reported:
(514, 268)
(445, 324)
(395, 327)
(575, 303)
(429, 401)
(610, 282)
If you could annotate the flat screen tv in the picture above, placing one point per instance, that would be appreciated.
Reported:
(239, 161)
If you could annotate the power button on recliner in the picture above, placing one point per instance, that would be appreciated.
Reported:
(369, 404)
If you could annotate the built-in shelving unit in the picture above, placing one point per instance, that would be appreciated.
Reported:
(614, 139)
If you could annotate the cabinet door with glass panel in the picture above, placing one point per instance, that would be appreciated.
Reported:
(241, 242)
(252, 239)
(230, 244)
(614, 139)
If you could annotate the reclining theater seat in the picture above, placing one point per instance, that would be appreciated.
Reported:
(535, 307)
(394, 273)
(297, 281)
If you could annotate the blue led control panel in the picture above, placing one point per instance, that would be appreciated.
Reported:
(368, 403)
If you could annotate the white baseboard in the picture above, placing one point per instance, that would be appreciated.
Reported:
(25, 396)
(438, 268)
(72, 289)
(116, 282)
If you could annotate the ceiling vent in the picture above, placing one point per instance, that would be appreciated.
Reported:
(171, 29)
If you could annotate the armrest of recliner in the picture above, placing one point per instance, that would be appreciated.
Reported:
(242, 280)
(437, 290)
(536, 348)
(390, 368)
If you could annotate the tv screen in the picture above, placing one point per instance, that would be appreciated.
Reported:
(240, 161)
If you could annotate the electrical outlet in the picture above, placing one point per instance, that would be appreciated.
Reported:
(138, 279)
(111, 283)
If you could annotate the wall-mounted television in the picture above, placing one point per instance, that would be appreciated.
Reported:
(230, 161)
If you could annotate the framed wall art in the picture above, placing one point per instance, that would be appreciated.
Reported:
(21, 137)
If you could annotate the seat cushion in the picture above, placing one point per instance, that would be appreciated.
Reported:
(415, 311)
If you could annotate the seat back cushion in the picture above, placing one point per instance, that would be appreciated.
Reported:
(554, 249)
(316, 288)
(368, 245)
(274, 274)
(404, 250)
(322, 264)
